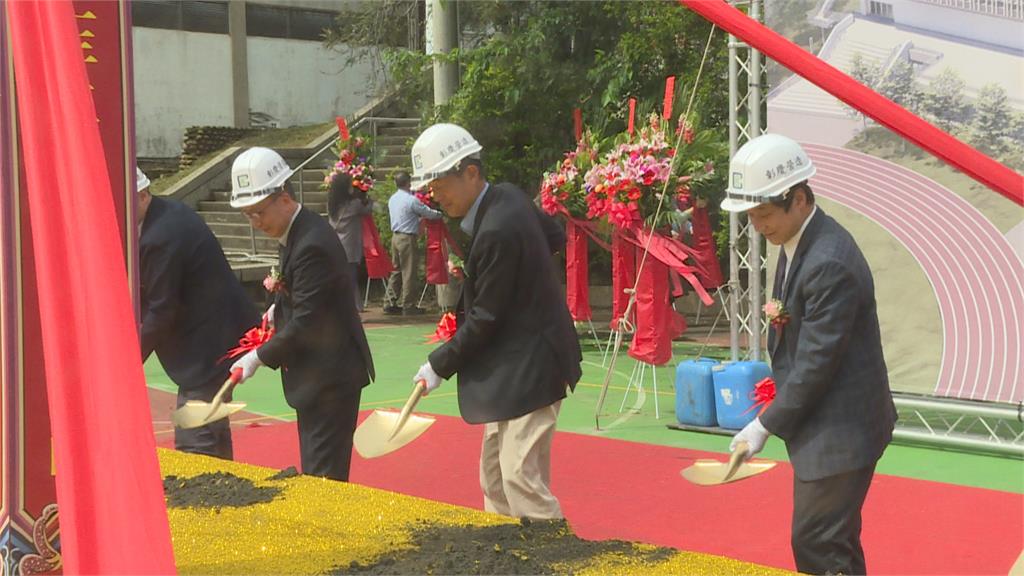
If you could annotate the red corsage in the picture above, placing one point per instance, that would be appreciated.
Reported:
(763, 394)
(252, 340)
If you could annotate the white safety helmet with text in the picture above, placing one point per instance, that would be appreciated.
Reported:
(257, 173)
(141, 181)
(765, 168)
(439, 151)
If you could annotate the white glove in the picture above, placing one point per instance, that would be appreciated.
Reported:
(754, 434)
(431, 381)
(248, 364)
(269, 315)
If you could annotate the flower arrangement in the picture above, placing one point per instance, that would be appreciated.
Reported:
(353, 153)
(562, 190)
(426, 196)
(627, 185)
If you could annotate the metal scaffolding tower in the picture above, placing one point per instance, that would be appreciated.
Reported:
(746, 258)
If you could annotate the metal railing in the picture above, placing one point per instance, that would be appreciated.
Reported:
(373, 123)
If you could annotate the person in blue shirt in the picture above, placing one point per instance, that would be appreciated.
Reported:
(406, 211)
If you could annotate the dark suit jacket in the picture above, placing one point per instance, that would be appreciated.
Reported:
(515, 349)
(833, 406)
(193, 308)
(319, 344)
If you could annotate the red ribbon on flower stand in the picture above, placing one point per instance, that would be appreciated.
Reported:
(577, 267)
(437, 252)
(378, 263)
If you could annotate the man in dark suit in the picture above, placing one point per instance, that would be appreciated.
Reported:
(833, 407)
(319, 341)
(515, 349)
(193, 309)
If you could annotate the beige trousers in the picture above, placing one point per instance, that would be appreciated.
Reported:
(515, 466)
(401, 290)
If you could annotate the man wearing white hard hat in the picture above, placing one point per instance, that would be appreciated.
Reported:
(193, 309)
(319, 341)
(515, 349)
(833, 407)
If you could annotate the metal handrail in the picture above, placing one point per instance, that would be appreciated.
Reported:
(359, 123)
(299, 170)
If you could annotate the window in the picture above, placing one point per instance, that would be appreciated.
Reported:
(156, 14)
(209, 17)
(880, 9)
(309, 24)
(266, 21)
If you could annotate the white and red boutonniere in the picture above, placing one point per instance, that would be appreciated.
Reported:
(274, 282)
(776, 314)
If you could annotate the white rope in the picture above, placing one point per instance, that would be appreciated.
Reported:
(624, 323)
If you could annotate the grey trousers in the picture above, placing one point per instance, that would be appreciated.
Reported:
(827, 523)
(402, 283)
(214, 439)
(325, 435)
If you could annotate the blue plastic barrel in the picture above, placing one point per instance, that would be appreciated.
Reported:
(734, 388)
(695, 392)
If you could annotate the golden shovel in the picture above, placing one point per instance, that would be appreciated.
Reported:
(196, 413)
(385, 431)
(714, 472)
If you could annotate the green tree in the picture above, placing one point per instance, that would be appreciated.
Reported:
(867, 73)
(898, 85)
(945, 102)
(525, 65)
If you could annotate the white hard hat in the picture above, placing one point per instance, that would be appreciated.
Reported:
(763, 168)
(257, 173)
(141, 182)
(438, 151)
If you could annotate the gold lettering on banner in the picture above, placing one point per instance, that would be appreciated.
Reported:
(87, 16)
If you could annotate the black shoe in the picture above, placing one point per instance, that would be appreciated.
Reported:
(414, 311)
(392, 310)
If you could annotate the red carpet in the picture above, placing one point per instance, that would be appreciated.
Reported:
(616, 489)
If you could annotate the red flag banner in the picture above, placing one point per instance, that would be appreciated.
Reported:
(577, 267)
(378, 263)
(113, 518)
(437, 252)
(670, 93)
(632, 116)
(996, 176)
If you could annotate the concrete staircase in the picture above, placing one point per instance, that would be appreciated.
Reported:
(232, 229)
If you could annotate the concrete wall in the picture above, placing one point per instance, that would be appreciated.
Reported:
(184, 79)
(300, 82)
(181, 79)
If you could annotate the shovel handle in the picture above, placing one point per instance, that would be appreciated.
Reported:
(417, 392)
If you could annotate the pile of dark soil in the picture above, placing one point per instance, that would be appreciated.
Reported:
(289, 472)
(535, 547)
(215, 490)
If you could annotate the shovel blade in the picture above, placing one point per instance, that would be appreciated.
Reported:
(194, 413)
(713, 472)
(373, 437)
